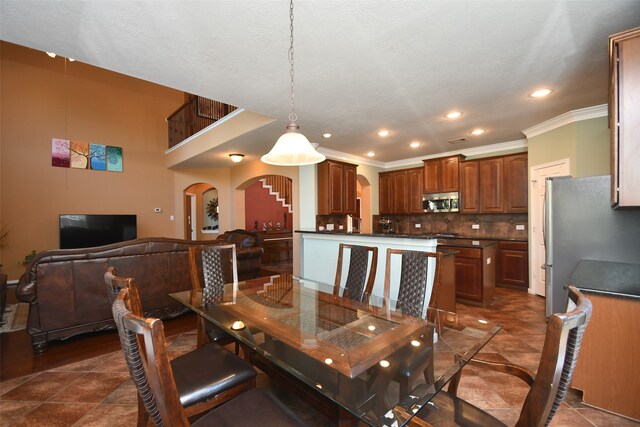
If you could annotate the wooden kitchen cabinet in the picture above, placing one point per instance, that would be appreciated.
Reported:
(469, 187)
(624, 117)
(491, 185)
(336, 188)
(414, 195)
(516, 183)
(494, 185)
(399, 193)
(384, 193)
(475, 271)
(442, 175)
(512, 264)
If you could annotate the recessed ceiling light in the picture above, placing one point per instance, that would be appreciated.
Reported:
(326, 135)
(540, 93)
(454, 115)
(71, 59)
(51, 54)
(383, 133)
(414, 144)
(371, 154)
(477, 132)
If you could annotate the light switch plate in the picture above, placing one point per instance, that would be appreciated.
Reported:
(488, 260)
(329, 227)
(475, 226)
(418, 225)
(341, 227)
(519, 227)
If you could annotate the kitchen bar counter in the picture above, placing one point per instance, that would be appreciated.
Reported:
(418, 236)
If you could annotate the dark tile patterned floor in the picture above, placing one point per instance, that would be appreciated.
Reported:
(98, 391)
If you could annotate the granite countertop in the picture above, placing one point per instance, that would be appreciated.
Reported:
(608, 278)
(467, 243)
(390, 235)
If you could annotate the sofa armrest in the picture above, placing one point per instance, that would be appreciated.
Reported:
(26, 290)
(246, 253)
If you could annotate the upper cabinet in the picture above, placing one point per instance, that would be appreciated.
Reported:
(441, 175)
(337, 188)
(494, 185)
(400, 191)
(624, 117)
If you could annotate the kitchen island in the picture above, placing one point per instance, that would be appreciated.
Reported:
(319, 259)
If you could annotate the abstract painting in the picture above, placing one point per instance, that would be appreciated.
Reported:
(60, 153)
(114, 159)
(79, 155)
(98, 157)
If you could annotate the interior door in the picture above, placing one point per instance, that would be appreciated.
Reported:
(538, 254)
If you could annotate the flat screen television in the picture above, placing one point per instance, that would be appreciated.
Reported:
(85, 231)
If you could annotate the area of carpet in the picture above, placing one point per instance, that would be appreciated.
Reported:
(14, 317)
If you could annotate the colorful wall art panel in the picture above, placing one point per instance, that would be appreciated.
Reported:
(79, 155)
(60, 153)
(98, 156)
(114, 159)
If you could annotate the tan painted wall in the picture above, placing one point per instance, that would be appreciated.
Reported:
(40, 101)
(585, 143)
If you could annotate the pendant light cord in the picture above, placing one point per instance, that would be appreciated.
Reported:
(292, 116)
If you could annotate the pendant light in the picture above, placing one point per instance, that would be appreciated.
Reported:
(292, 148)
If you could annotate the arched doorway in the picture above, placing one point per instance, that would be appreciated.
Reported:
(201, 209)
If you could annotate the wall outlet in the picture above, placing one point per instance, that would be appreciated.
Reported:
(172, 218)
(475, 226)
(418, 225)
(321, 227)
(475, 242)
(519, 227)
(329, 227)
(157, 210)
(341, 227)
(488, 260)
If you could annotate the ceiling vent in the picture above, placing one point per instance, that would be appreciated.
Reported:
(456, 141)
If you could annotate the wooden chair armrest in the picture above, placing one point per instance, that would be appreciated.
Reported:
(506, 368)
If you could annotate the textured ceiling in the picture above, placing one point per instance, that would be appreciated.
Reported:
(359, 65)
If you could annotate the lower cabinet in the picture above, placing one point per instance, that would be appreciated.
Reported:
(475, 273)
(513, 264)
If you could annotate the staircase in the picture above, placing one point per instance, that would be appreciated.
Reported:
(280, 187)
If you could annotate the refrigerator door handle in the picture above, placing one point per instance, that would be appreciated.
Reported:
(543, 266)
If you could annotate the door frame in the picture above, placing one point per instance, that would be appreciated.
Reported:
(539, 174)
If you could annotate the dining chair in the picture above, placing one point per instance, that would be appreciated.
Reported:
(361, 274)
(213, 265)
(414, 297)
(155, 377)
(205, 377)
(548, 386)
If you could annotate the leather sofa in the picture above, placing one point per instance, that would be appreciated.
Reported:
(249, 251)
(67, 294)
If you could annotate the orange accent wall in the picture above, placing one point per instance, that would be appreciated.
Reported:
(263, 207)
(43, 98)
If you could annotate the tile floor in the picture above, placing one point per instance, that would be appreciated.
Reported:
(98, 391)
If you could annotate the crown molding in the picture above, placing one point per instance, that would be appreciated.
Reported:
(567, 118)
(350, 158)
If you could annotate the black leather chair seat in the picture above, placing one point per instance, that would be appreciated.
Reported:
(212, 376)
(256, 407)
(447, 410)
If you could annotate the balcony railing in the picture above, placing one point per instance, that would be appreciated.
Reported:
(195, 115)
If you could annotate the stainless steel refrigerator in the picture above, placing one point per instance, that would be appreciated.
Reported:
(580, 224)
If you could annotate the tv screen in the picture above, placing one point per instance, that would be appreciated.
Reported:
(85, 231)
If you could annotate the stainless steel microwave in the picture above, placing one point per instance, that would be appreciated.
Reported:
(441, 202)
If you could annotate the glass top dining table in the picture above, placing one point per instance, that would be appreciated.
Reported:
(371, 359)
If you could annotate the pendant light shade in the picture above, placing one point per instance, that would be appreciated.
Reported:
(292, 149)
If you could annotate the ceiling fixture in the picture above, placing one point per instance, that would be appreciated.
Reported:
(326, 135)
(453, 115)
(51, 54)
(477, 132)
(414, 144)
(292, 148)
(371, 154)
(383, 133)
(236, 158)
(541, 93)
